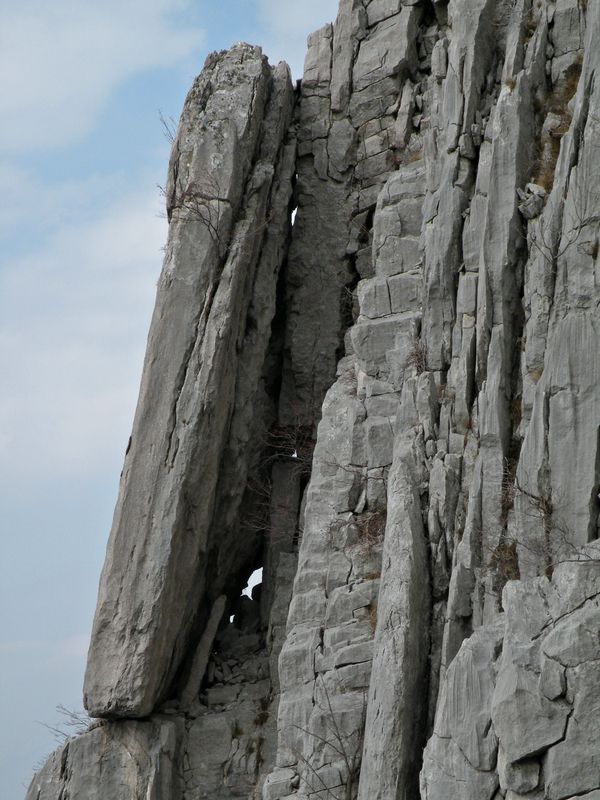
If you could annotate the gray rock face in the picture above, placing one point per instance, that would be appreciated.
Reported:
(391, 406)
(461, 754)
(206, 352)
(395, 717)
(535, 701)
(111, 760)
(350, 138)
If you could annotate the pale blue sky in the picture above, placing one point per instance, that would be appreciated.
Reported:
(81, 153)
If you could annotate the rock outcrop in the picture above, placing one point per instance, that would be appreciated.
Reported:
(390, 405)
(192, 443)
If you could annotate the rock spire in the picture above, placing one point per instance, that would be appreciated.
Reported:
(388, 401)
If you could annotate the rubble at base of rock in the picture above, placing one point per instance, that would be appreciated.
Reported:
(391, 406)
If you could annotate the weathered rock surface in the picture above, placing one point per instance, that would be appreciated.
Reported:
(129, 759)
(206, 352)
(519, 699)
(391, 406)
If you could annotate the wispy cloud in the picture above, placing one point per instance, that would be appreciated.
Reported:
(61, 60)
(38, 207)
(74, 312)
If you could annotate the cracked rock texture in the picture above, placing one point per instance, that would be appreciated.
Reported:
(390, 405)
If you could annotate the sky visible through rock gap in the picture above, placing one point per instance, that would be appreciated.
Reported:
(81, 153)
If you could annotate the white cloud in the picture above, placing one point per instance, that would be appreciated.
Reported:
(40, 206)
(60, 61)
(74, 316)
(287, 23)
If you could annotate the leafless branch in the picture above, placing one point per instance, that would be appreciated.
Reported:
(169, 127)
(340, 743)
(417, 358)
(73, 724)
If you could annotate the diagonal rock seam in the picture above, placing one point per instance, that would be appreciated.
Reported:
(390, 406)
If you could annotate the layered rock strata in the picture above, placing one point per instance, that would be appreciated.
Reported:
(391, 406)
(195, 432)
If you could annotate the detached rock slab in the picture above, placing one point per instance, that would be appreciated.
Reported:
(168, 559)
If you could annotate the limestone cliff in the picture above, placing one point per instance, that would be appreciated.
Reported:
(390, 404)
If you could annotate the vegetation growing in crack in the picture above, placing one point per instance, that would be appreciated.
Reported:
(72, 723)
(371, 527)
(557, 546)
(290, 445)
(345, 748)
(548, 146)
(417, 357)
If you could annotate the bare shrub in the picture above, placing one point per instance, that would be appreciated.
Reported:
(509, 471)
(504, 563)
(558, 539)
(292, 443)
(257, 504)
(557, 103)
(73, 723)
(530, 25)
(373, 616)
(169, 127)
(347, 746)
(371, 528)
(417, 357)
